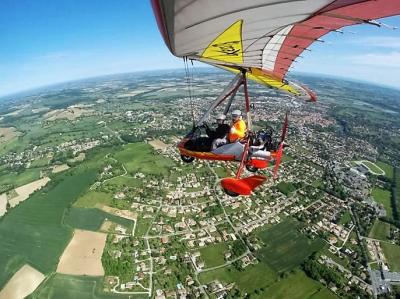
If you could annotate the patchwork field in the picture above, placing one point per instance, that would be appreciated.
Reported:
(7, 134)
(92, 219)
(70, 113)
(252, 278)
(380, 230)
(25, 191)
(61, 286)
(285, 247)
(3, 204)
(83, 254)
(392, 254)
(382, 196)
(15, 179)
(139, 157)
(23, 283)
(33, 231)
(93, 199)
(213, 255)
(59, 168)
(388, 169)
(298, 286)
(158, 144)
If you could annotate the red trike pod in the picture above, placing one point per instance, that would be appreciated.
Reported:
(244, 186)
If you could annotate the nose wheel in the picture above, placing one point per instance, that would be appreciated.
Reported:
(251, 168)
(187, 159)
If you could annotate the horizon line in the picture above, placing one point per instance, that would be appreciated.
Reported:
(49, 85)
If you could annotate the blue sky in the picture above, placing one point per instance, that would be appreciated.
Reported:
(45, 42)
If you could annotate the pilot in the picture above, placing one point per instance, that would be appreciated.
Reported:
(238, 127)
(218, 135)
(236, 131)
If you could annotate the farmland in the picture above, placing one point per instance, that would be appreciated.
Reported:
(285, 247)
(298, 285)
(213, 255)
(382, 196)
(392, 254)
(252, 278)
(139, 157)
(388, 169)
(72, 287)
(33, 231)
(380, 230)
(92, 219)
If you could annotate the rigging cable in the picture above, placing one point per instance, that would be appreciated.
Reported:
(189, 87)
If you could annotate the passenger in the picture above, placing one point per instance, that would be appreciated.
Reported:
(236, 131)
(238, 127)
(218, 135)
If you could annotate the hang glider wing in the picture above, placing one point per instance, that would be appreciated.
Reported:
(262, 36)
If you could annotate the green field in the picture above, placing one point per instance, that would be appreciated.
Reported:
(388, 169)
(252, 278)
(123, 181)
(93, 198)
(298, 285)
(140, 157)
(380, 230)
(286, 187)
(372, 166)
(392, 254)
(285, 247)
(346, 218)
(260, 282)
(60, 286)
(142, 226)
(92, 219)
(33, 232)
(18, 179)
(383, 196)
(213, 255)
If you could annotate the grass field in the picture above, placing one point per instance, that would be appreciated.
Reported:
(374, 168)
(18, 179)
(346, 218)
(285, 247)
(382, 196)
(252, 278)
(60, 286)
(33, 231)
(213, 255)
(142, 226)
(267, 283)
(140, 157)
(123, 181)
(92, 198)
(286, 187)
(388, 169)
(92, 219)
(298, 285)
(380, 230)
(392, 254)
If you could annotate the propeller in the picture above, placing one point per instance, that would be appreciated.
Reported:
(279, 153)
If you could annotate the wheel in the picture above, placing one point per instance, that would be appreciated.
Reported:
(251, 168)
(187, 159)
(231, 193)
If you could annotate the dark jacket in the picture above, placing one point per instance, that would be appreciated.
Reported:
(219, 132)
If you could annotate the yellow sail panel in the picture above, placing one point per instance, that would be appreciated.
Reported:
(228, 46)
(269, 80)
(259, 76)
